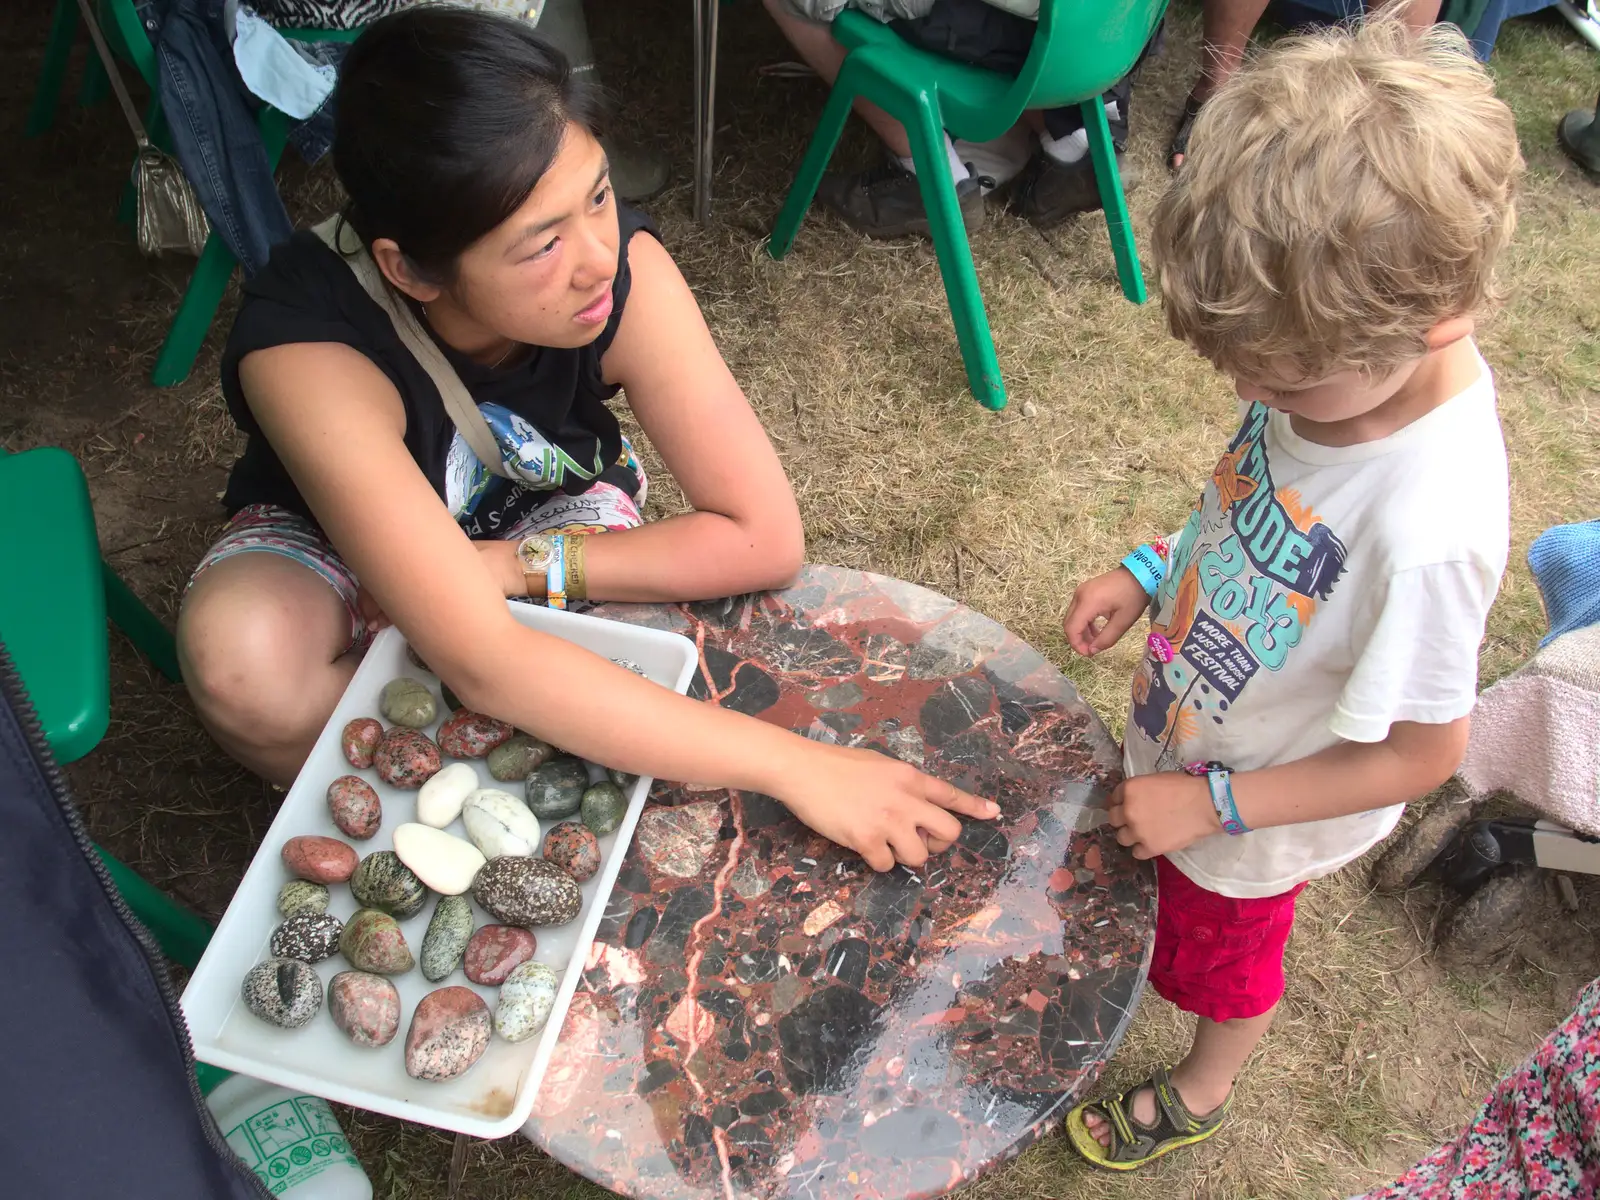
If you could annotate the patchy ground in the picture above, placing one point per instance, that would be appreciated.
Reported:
(846, 350)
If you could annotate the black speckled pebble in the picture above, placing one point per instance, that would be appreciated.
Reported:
(307, 937)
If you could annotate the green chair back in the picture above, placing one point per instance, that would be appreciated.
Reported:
(1081, 48)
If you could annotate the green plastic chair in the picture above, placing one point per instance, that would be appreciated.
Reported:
(128, 40)
(1081, 48)
(53, 621)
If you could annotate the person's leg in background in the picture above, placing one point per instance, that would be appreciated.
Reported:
(1226, 26)
(1060, 181)
(885, 201)
(637, 173)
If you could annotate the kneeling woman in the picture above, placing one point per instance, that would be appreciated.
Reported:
(475, 180)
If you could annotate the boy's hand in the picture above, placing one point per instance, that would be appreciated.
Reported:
(1157, 814)
(885, 810)
(1102, 610)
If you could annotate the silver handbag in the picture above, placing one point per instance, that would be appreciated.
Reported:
(169, 214)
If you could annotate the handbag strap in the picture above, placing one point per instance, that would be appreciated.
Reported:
(114, 75)
(458, 402)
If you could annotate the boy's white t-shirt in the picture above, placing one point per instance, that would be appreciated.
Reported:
(1319, 594)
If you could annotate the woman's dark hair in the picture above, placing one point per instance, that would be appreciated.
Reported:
(445, 119)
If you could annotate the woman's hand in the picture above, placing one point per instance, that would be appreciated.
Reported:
(885, 810)
(1102, 610)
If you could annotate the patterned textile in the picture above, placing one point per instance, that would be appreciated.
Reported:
(1538, 1133)
(352, 14)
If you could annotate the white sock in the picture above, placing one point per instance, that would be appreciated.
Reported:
(1002, 159)
(958, 169)
(1070, 149)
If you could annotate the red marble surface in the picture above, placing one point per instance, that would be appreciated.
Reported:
(764, 1016)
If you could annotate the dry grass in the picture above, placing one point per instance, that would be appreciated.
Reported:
(847, 352)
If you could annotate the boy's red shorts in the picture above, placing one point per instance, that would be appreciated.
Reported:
(1216, 956)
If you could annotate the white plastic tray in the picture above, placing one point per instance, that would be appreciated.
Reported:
(495, 1097)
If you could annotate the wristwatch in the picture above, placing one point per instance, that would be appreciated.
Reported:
(535, 553)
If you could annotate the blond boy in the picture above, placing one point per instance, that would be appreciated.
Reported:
(1312, 654)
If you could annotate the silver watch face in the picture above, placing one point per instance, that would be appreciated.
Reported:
(534, 553)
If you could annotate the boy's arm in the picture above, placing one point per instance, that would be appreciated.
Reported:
(1162, 813)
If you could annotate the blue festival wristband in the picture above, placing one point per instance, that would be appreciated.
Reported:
(1219, 781)
(1148, 567)
(556, 577)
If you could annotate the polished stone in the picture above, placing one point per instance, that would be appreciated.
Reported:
(763, 1016)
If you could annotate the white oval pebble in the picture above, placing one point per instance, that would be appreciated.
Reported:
(500, 824)
(444, 862)
(439, 801)
(526, 998)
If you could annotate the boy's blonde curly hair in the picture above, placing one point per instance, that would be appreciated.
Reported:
(1342, 194)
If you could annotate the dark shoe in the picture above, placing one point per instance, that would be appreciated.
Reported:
(886, 202)
(1579, 135)
(1048, 192)
(636, 173)
(1179, 147)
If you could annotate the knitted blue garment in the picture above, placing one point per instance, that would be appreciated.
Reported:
(1566, 564)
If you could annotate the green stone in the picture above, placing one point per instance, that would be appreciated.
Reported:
(518, 757)
(406, 701)
(446, 940)
(383, 882)
(302, 896)
(603, 807)
(555, 790)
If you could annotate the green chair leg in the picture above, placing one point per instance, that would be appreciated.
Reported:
(95, 85)
(955, 258)
(1115, 204)
(804, 189)
(57, 50)
(195, 313)
(181, 932)
(143, 628)
(210, 279)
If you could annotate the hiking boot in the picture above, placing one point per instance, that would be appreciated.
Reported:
(886, 202)
(1048, 192)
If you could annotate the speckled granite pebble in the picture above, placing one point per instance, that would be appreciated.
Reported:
(365, 1007)
(359, 741)
(527, 891)
(307, 937)
(495, 951)
(449, 1032)
(354, 807)
(526, 998)
(406, 759)
(282, 992)
(467, 734)
(302, 896)
(574, 848)
(447, 936)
